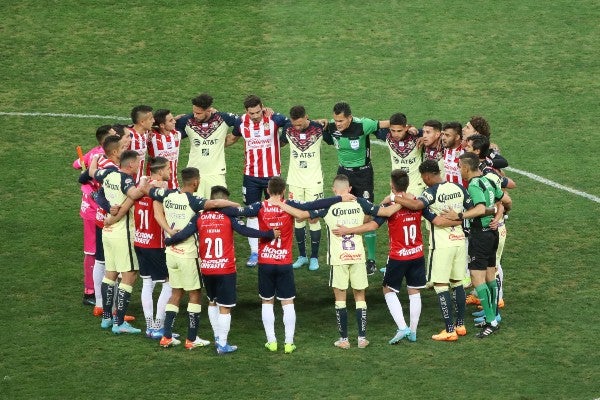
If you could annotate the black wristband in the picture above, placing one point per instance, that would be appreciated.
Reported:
(460, 216)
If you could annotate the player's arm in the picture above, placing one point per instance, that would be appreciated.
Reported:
(235, 134)
(248, 211)
(159, 216)
(327, 138)
(219, 203)
(283, 140)
(180, 123)
(250, 232)
(177, 237)
(301, 215)
(495, 160)
(410, 203)
(438, 220)
(315, 204)
(341, 230)
(118, 211)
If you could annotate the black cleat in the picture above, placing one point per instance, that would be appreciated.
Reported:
(487, 330)
(89, 300)
(371, 267)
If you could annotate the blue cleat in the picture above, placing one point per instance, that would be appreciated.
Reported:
(252, 260)
(400, 334)
(382, 270)
(480, 321)
(221, 350)
(300, 262)
(106, 323)
(314, 264)
(124, 328)
(479, 313)
(412, 336)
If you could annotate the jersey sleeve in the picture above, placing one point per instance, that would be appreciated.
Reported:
(185, 233)
(314, 205)
(84, 177)
(477, 194)
(279, 119)
(368, 207)
(248, 211)
(283, 137)
(229, 118)
(159, 194)
(250, 232)
(428, 196)
(127, 182)
(196, 202)
(101, 200)
(318, 213)
(327, 138)
(382, 133)
(369, 125)
(428, 215)
(181, 123)
(236, 127)
(497, 160)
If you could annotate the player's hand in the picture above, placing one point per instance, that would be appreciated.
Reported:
(413, 131)
(386, 200)
(268, 111)
(420, 143)
(109, 220)
(114, 210)
(276, 201)
(450, 214)
(179, 116)
(276, 233)
(144, 185)
(341, 230)
(323, 122)
(348, 197)
(494, 224)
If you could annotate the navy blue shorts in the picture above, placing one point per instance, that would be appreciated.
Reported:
(99, 246)
(254, 188)
(482, 249)
(221, 289)
(412, 270)
(153, 263)
(276, 281)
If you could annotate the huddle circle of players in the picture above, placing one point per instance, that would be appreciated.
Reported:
(139, 219)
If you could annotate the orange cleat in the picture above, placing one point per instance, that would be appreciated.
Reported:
(97, 311)
(444, 336)
(473, 300)
(460, 330)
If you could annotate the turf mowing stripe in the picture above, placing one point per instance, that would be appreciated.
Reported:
(530, 175)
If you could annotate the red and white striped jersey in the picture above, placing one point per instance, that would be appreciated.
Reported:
(138, 143)
(216, 248)
(263, 159)
(103, 163)
(276, 251)
(166, 146)
(406, 240)
(451, 165)
(148, 233)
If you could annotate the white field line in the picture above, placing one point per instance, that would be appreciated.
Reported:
(529, 175)
(537, 178)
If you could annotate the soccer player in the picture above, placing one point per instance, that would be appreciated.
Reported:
(432, 143)
(447, 246)
(118, 241)
(404, 150)
(346, 255)
(262, 156)
(275, 272)
(350, 136)
(87, 212)
(163, 141)
(207, 131)
(178, 207)
(305, 178)
(143, 120)
(483, 241)
(479, 125)
(451, 140)
(217, 252)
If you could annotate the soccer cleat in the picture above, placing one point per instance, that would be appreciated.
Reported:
(128, 318)
(460, 330)
(97, 311)
(300, 262)
(169, 342)
(487, 330)
(412, 337)
(252, 260)
(289, 348)
(382, 270)
(196, 343)
(400, 334)
(501, 303)
(271, 346)
(473, 300)
(314, 264)
(226, 349)
(445, 336)
(479, 313)
(362, 342)
(149, 332)
(89, 299)
(371, 267)
(106, 323)
(342, 343)
(124, 328)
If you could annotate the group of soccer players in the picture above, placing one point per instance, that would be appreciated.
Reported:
(139, 219)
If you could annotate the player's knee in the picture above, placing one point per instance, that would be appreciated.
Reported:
(315, 224)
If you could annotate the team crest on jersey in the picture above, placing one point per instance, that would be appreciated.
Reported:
(205, 129)
(303, 140)
(434, 154)
(354, 144)
(366, 195)
(401, 147)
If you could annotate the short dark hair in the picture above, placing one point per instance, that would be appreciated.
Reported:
(276, 185)
(204, 101)
(219, 192)
(481, 143)
(102, 133)
(157, 163)
(160, 116)
(429, 167)
(341, 178)
(189, 174)
(137, 111)
(252, 101)
(110, 143)
(399, 180)
(480, 125)
(471, 160)
(455, 126)
(297, 112)
(119, 128)
(342, 108)
(434, 123)
(127, 156)
(398, 119)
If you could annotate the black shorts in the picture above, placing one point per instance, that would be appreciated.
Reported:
(276, 281)
(412, 270)
(221, 289)
(254, 188)
(153, 264)
(482, 249)
(361, 180)
(99, 246)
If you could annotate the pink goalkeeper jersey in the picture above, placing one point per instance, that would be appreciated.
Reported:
(88, 205)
